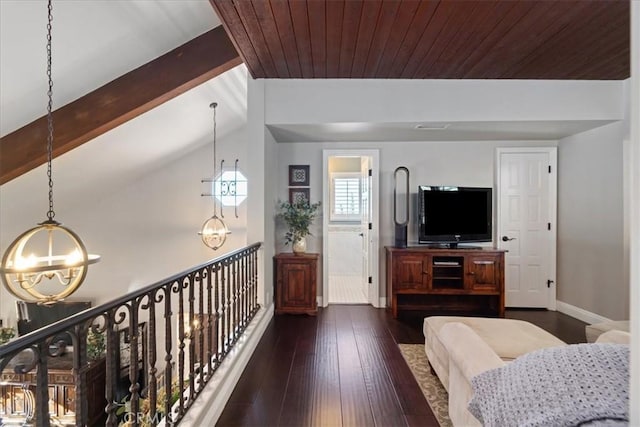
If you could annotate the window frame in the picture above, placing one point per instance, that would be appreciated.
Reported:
(349, 217)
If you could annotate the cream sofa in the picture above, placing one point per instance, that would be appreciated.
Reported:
(592, 332)
(469, 355)
(508, 338)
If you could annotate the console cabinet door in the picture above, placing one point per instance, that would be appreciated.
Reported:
(483, 273)
(296, 281)
(411, 271)
(295, 278)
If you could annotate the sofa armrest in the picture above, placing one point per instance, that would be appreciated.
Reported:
(615, 337)
(469, 355)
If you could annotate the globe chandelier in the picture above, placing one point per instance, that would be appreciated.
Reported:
(214, 231)
(49, 262)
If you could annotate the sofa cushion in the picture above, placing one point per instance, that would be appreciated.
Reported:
(509, 338)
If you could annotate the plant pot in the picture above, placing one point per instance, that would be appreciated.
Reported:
(300, 246)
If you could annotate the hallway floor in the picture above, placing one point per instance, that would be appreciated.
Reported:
(346, 290)
(343, 368)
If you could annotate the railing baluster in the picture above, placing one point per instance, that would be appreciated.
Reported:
(210, 311)
(234, 284)
(254, 281)
(181, 344)
(216, 328)
(168, 374)
(134, 387)
(42, 384)
(223, 314)
(229, 297)
(152, 388)
(79, 378)
(204, 275)
(192, 339)
(111, 368)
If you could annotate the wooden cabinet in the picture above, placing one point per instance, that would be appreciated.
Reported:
(445, 281)
(296, 278)
(17, 393)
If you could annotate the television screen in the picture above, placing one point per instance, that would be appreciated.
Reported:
(454, 214)
(33, 316)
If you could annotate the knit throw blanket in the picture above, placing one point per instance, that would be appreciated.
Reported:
(558, 386)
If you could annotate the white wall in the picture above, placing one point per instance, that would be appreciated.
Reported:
(384, 101)
(591, 250)
(145, 231)
(429, 163)
(263, 169)
(460, 163)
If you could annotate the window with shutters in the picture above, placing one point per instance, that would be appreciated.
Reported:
(345, 196)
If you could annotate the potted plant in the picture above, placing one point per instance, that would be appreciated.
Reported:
(6, 334)
(298, 216)
(96, 345)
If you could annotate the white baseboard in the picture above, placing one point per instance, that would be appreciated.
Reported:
(382, 302)
(580, 313)
(208, 407)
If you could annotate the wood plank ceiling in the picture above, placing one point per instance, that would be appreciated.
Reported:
(410, 39)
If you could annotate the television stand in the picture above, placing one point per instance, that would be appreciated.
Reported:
(453, 246)
(445, 281)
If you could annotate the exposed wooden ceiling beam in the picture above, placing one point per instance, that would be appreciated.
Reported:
(118, 101)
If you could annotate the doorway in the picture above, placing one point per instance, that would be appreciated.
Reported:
(350, 224)
(526, 219)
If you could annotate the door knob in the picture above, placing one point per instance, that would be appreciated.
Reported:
(507, 239)
(361, 234)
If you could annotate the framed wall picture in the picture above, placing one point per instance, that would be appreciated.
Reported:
(297, 195)
(298, 175)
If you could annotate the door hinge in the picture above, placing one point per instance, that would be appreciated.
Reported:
(370, 172)
(370, 279)
(549, 168)
(548, 226)
(549, 282)
(370, 226)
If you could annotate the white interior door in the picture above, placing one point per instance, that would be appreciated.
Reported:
(526, 213)
(366, 212)
(370, 234)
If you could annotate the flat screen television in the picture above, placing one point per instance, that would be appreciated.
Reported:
(452, 215)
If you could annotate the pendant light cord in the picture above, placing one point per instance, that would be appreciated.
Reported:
(215, 204)
(50, 214)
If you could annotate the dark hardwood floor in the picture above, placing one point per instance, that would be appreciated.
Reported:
(343, 368)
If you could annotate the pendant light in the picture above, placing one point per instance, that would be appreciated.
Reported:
(214, 231)
(49, 262)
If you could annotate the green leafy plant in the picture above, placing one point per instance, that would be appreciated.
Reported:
(144, 418)
(6, 334)
(298, 216)
(96, 346)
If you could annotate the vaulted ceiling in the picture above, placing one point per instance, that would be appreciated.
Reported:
(104, 82)
(434, 39)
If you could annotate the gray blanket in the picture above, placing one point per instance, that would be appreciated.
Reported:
(582, 384)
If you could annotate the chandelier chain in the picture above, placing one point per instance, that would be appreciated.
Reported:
(215, 204)
(50, 214)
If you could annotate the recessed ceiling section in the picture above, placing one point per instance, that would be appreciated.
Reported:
(489, 39)
(455, 131)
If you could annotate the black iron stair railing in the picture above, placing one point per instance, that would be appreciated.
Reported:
(163, 343)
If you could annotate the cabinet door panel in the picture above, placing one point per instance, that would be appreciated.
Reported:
(483, 273)
(295, 280)
(411, 272)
